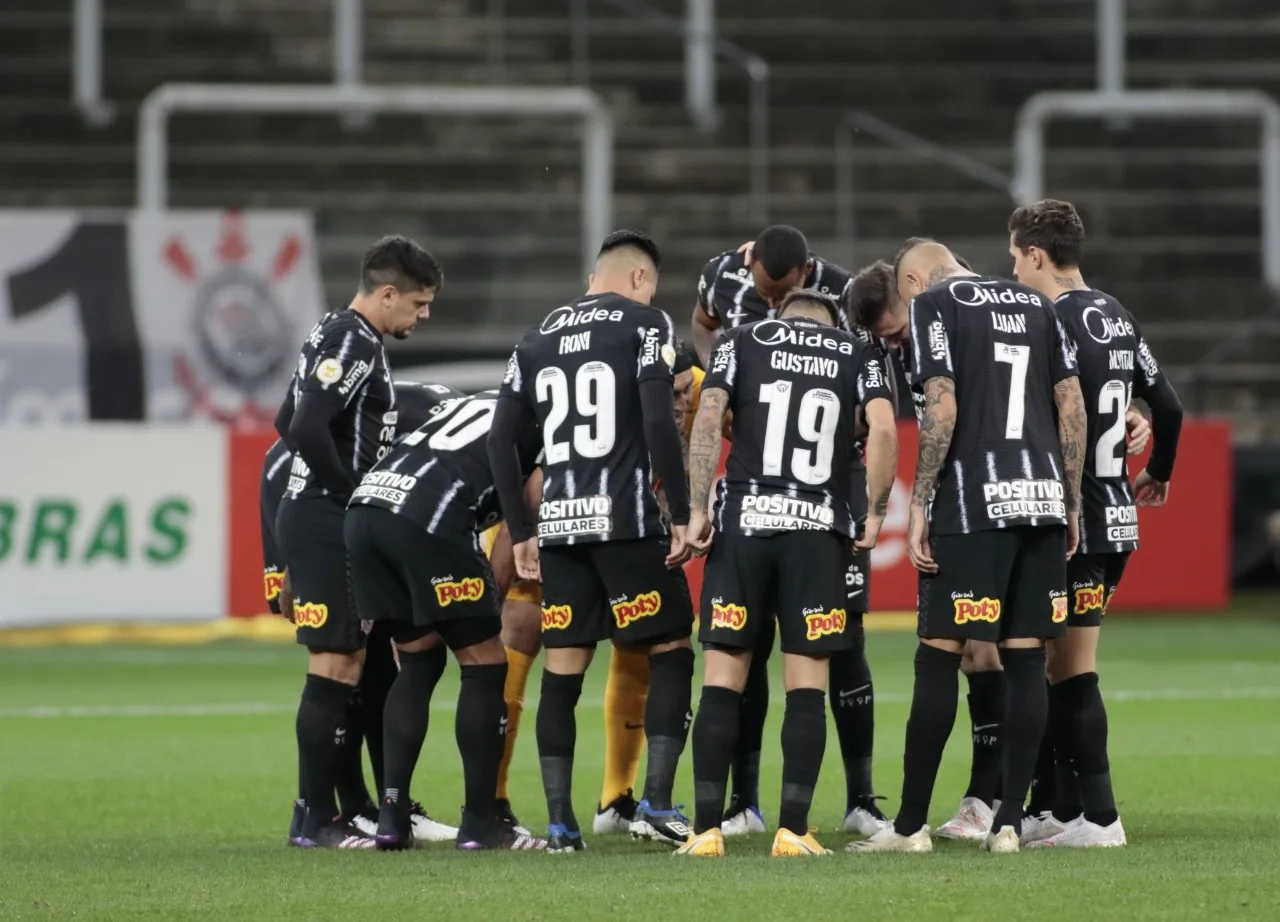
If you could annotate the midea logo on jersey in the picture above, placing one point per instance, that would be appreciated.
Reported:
(566, 316)
(777, 333)
(1103, 328)
(974, 294)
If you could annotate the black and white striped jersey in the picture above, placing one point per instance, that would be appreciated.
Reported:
(1003, 345)
(343, 359)
(438, 476)
(727, 292)
(1115, 365)
(794, 386)
(579, 370)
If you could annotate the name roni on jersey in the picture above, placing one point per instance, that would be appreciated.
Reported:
(1008, 499)
(774, 512)
(582, 515)
(386, 485)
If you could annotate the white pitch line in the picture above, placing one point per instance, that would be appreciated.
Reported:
(234, 708)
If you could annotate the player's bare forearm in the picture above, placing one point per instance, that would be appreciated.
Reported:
(1072, 435)
(937, 427)
(704, 445)
(882, 455)
(704, 334)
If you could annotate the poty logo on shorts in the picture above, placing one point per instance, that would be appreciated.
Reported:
(556, 617)
(273, 582)
(823, 623)
(1058, 599)
(464, 590)
(628, 611)
(968, 610)
(1090, 597)
(732, 617)
(310, 614)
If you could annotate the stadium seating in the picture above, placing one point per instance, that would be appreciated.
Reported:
(1172, 207)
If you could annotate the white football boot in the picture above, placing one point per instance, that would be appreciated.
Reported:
(971, 823)
(1080, 833)
(889, 840)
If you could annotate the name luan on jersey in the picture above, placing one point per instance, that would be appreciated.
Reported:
(580, 371)
(438, 476)
(344, 360)
(793, 387)
(1005, 348)
(1115, 365)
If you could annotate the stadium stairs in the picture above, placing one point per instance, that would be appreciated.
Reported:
(1172, 207)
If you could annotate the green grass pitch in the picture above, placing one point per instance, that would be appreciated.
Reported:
(155, 783)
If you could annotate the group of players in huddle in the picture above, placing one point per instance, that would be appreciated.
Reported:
(557, 511)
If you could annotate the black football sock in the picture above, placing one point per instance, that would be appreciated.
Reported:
(986, 711)
(804, 742)
(353, 793)
(933, 714)
(557, 736)
(1026, 711)
(405, 719)
(321, 714)
(1066, 797)
(853, 707)
(666, 722)
(302, 778)
(480, 727)
(376, 679)
(1044, 782)
(1089, 747)
(752, 711)
(715, 730)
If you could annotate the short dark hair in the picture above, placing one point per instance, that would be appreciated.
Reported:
(871, 293)
(811, 296)
(780, 249)
(629, 238)
(686, 358)
(398, 261)
(1052, 225)
(907, 246)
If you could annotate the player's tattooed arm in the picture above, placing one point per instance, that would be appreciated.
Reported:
(1072, 435)
(704, 445)
(937, 426)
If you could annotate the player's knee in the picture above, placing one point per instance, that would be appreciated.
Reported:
(803, 670)
(464, 633)
(725, 667)
(522, 627)
(1072, 655)
(982, 657)
(682, 643)
(419, 644)
(946, 644)
(568, 660)
(485, 653)
(339, 665)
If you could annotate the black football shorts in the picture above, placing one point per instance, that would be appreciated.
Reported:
(421, 582)
(1093, 579)
(310, 539)
(797, 576)
(995, 585)
(613, 589)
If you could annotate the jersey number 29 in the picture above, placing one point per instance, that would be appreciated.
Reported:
(594, 390)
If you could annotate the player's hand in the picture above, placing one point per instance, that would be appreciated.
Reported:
(870, 534)
(1139, 431)
(699, 533)
(527, 564)
(745, 250)
(918, 548)
(1073, 533)
(1149, 491)
(680, 549)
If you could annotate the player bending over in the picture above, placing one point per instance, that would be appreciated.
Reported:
(785, 520)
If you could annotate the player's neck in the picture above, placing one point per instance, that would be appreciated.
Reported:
(606, 286)
(367, 309)
(1063, 280)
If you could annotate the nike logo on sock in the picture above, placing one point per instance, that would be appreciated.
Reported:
(854, 691)
(986, 726)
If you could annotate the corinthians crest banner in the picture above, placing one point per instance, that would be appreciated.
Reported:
(177, 316)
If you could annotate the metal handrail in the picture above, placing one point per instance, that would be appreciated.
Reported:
(858, 120)
(755, 67)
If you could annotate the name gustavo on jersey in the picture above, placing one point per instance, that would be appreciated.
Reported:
(804, 364)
